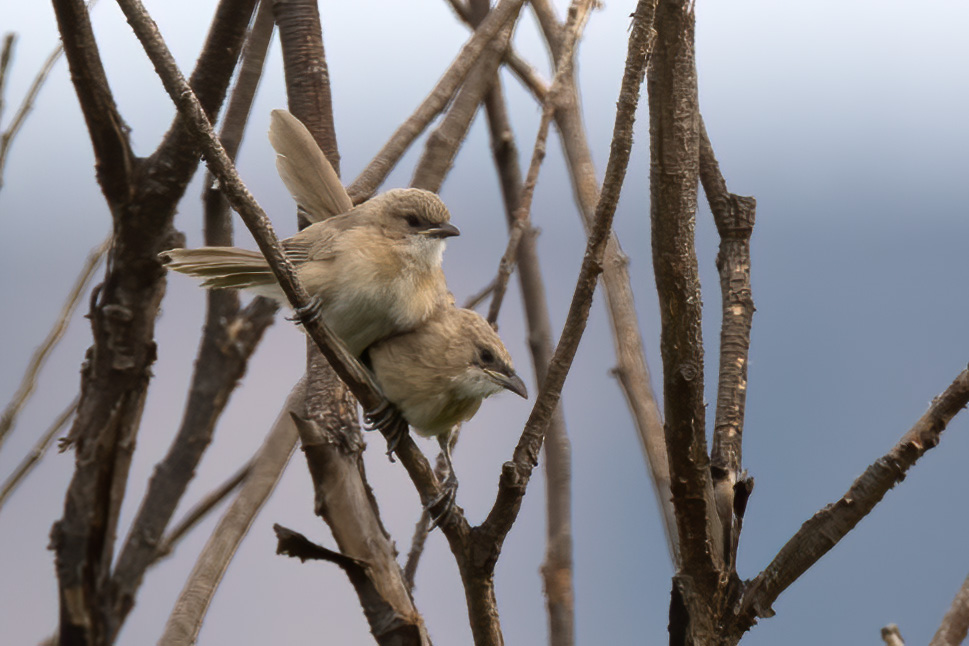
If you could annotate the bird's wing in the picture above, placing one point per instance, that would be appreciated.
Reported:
(319, 241)
(305, 170)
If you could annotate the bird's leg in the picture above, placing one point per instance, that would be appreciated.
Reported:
(312, 310)
(449, 487)
(387, 419)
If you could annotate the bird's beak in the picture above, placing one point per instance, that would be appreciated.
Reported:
(445, 230)
(510, 382)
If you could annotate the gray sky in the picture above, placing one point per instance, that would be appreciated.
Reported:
(845, 120)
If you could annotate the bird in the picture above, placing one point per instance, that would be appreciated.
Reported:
(372, 271)
(437, 375)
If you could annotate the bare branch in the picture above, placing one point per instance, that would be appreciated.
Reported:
(631, 370)
(267, 467)
(201, 509)
(952, 631)
(823, 531)
(36, 453)
(515, 474)
(364, 186)
(228, 341)
(734, 217)
(557, 568)
(27, 104)
(674, 170)
(578, 15)
(29, 380)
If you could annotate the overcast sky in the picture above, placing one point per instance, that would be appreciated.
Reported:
(846, 120)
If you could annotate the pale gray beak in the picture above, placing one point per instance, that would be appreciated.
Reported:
(445, 230)
(510, 382)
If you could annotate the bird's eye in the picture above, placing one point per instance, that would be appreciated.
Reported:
(486, 355)
(412, 221)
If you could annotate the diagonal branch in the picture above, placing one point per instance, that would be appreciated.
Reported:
(268, 464)
(36, 453)
(631, 370)
(228, 341)
(952, 631)
(578, 15)
(515, 474)
(29, 381)
(505, 12)
(823, 531)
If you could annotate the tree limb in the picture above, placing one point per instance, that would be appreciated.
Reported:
(828, 526)
(952, 631)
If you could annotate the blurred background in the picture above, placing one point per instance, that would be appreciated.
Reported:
(845, 120)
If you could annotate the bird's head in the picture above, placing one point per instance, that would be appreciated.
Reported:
(414, 216)
(487, 366)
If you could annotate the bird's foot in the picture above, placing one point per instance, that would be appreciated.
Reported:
(442, 507)
(312, 310)
(387, 419)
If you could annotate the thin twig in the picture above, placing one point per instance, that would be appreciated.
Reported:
(27, 104)
(201, 509)
(43, 351)
(578, 15)
(476, 299)
(515, 475)
(891, 636)
(827, 527)
(6, 55)
(527, 74)
(373, 176)
(631, 370)
(36, 453)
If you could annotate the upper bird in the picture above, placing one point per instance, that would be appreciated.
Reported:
(372, 271)
(438, 374)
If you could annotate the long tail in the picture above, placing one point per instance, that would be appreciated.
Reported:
(305, 170)
(223, 267)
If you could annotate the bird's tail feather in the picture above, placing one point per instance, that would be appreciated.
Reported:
(305, 170)
(221, 267)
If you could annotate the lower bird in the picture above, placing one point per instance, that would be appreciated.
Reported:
(437, 376)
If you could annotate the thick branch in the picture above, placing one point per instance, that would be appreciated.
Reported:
(674, 152)
(831, 524)
(114, 160)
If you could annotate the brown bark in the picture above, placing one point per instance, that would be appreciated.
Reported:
(674, 153)
(141, 195)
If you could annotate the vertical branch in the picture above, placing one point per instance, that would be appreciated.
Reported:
(734, 217)
(674, 152)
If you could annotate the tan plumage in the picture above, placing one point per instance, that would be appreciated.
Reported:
(374, 270)
(305, 170)
(439, 373)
